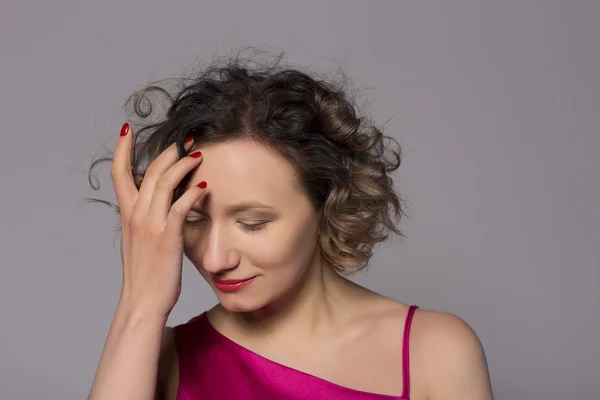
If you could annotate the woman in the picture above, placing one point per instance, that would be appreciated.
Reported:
(273, 187)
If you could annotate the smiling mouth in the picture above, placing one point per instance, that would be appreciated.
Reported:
(232, 285)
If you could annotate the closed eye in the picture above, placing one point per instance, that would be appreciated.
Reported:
(254, 227)
(194, 222)
(248, 227)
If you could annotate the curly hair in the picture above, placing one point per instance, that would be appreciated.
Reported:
(342, 160)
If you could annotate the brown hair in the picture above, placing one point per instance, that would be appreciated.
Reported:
(343, 160)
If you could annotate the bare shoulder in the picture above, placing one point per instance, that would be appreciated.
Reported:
(449, 357)
(168, 367)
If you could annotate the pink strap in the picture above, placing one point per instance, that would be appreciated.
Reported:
(405, 357)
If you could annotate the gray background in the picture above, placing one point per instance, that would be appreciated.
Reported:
(495, 102)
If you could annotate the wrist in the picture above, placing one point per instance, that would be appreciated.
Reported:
(135, 314)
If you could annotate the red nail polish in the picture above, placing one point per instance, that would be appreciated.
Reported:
(196, 154)
(125, 129)
(189, 139)
(202, 185)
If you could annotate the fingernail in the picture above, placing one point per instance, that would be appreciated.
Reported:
(202, 185)
(196, 154)
(125, 129)
(189, 139)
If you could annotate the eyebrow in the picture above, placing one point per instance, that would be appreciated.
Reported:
(241, 207)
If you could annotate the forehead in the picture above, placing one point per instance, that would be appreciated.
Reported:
(244, 170)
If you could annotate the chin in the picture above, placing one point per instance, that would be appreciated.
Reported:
(239, 303)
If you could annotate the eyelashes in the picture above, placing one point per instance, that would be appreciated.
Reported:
(253, 227)
(249, 227)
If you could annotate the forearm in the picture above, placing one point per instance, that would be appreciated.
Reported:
(129, 362)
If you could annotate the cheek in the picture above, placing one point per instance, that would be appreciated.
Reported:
(284, 246)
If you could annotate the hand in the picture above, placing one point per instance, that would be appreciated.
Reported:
(152, 228)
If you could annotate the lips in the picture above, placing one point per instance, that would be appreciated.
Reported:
(230, 281)
(232, 285)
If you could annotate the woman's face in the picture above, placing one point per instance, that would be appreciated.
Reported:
(253, 222)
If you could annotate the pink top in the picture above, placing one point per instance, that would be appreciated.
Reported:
(213, 367)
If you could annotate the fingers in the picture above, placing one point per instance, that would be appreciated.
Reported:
(166, 184)
(182, 206)
(120, 172)
(154, 172)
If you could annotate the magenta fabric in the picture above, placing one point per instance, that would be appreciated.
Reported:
(213, 367)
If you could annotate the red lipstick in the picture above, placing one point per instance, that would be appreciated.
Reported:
(231, 285)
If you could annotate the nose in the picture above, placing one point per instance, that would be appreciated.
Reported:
(220, 255)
